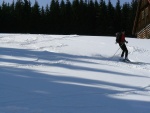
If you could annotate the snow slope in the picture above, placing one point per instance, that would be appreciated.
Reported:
(72, 74)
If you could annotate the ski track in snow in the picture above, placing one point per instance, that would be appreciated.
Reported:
(47, 63)
(29, 42)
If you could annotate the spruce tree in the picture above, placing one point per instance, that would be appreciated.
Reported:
(54, 16)
(110, 19)
(118, 17)
(19, 16)
(69, 17)
(126, 18)
(35, 18)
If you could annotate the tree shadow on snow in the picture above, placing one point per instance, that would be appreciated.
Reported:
(27, 90)
(36, 58)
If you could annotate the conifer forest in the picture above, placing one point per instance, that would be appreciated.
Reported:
(82, 17)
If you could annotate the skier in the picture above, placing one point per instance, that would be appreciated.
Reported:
(120, 39)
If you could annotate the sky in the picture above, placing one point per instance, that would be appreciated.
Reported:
(44, 2)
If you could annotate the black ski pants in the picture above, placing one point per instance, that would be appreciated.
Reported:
(124, 50)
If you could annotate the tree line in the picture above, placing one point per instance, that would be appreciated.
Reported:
(83, 17)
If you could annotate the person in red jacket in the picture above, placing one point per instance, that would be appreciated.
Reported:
(122, 45)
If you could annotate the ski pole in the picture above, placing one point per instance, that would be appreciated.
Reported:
(115, 53)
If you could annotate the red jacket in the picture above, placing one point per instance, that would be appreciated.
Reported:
(122, 38)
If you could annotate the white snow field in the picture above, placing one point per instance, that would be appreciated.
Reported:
(72, 74)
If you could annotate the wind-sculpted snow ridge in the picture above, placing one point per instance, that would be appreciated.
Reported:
(72, 74)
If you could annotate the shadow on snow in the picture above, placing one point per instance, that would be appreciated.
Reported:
(27, 90)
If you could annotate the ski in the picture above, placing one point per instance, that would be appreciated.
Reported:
(129, 61)
(125, 60)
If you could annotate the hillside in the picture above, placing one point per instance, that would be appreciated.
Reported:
(72, 74)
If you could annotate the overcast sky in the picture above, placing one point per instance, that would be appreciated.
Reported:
(44, 2)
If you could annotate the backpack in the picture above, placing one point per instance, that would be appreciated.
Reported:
(118, 37)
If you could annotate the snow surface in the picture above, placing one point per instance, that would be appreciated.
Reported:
(72, 74)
